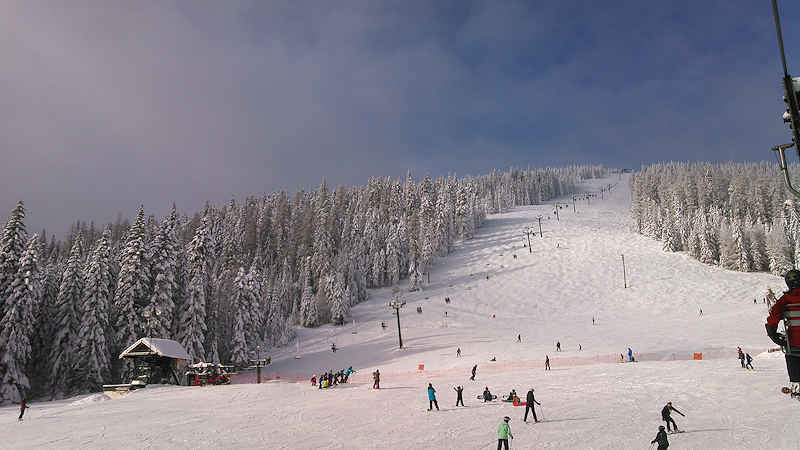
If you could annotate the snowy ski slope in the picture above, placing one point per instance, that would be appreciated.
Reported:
(589, 399)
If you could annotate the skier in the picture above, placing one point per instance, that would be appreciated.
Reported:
(458, 352)
(558, 346)
(630, 355)
(503, 433)
(23, 405)
(376, 377)
(661, 438)
(787, 308)
(580, 348)
(621, 358)
(666, 417)
(519, 338)
(546, 362)
(749, 364)
(314, 380)
(592, 320)
(701, 312)
(474, 368)
(459, 391)
(333, 348)
(432, 398)
(530, 400)
(740, 356)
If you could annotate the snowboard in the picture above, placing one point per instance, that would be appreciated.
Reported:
(480, 397)
(676, 432)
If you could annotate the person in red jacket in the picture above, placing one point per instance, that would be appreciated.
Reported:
(787, 308)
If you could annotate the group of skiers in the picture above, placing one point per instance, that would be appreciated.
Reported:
(330, 378)
(745, 359)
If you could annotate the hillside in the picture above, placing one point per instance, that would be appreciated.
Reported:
(571, 275)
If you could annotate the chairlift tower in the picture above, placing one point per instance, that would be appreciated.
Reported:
(396, 304)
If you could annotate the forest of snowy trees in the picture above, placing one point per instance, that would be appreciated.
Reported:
(736, 215)
(230, 278)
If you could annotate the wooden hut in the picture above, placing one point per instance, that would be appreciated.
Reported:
(158, 360)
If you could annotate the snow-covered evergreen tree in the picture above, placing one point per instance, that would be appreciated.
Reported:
(193, 316)
(309, 312)
(12, 245)
(132, 292)
(92, 352)
(163, 260)
(241, 313)
(779, 252)
(62, 353)
(16, 326)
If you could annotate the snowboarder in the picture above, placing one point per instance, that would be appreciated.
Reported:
(487, 396)
(383, 325)
(23, 405)
(661, 438)
(666, 417)
(787, 308)
(530, 400)
(511, 395)
(376, 377)
(432, 398)
(558, 346)
(474, 368)
(459, 391)
(503, 433)
(749, 359)
(546, 362)
(333, 348)
(493, 359)
(740, 356)
(630, 355)
(458, 352)
(519, 338)
(580, 348)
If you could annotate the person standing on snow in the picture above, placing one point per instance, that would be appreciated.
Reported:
(530, 400)
(630, 355)
(740, 356)
(519, 338)
(666, 417)
(661, 438)
(558, 346)
(458, 352)
(787, 308)
(376, 377)
(474, 368)
(23, 405)
(503, 433)
(432, 398)
(749, 360)
(546, 362)
(459, 391)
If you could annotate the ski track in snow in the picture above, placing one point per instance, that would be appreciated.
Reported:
(589, 399)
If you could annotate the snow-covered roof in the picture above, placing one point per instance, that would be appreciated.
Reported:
(153, 346)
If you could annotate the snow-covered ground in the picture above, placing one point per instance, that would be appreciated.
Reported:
(589, 400)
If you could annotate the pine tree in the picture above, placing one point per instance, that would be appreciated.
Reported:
(163, 259)
(62, 354)
(193, 316)
(779, 252)
(12, 245)
(131, 294)
(16, 327)
(92, 350)
(309, 313)
(241, 303)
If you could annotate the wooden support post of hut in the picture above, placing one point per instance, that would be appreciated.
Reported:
(160, 360)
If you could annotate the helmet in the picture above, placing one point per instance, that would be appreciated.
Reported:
(661, 427)
(506, 418)
(792, 279)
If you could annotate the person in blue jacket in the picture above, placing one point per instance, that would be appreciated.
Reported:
(432, 398)
(630, 355)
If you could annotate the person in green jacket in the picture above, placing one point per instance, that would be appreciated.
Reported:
(503, 433)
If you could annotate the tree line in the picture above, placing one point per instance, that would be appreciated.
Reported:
(232, 277)
(739, 216)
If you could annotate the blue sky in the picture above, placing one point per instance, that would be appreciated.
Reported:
(108, 105)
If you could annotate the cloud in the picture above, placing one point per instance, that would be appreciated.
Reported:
(106, 105)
